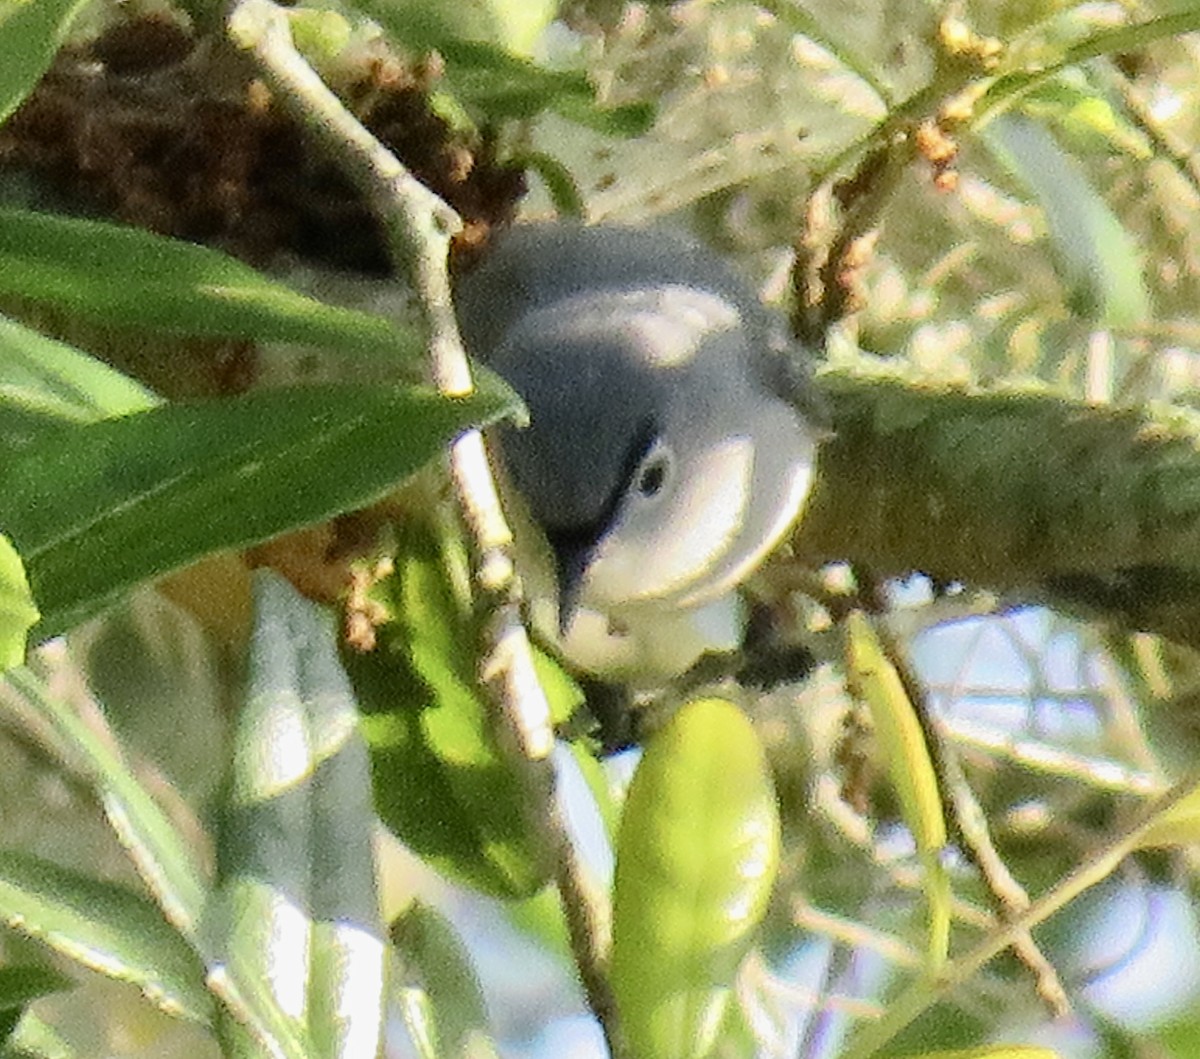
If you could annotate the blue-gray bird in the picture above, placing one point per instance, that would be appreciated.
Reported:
(668, 449)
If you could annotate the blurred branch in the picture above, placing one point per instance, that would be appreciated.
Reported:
(1006, 90)
(1024, 493)
(419, 227)
(1038, 756)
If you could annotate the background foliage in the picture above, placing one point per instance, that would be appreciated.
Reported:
(948, 839)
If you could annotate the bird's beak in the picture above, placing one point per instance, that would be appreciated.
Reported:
(571, 558)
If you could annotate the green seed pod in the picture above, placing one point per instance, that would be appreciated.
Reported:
(697, 856)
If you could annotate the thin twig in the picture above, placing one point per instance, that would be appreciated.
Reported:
(969, 823)
(1008, 893)
(925, 992)
(419, 226)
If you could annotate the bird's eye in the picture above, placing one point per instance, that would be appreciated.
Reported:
(652, 477)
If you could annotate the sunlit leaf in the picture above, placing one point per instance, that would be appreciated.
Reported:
(1178, 826)
(871, 674)
(18, 612)
(440, 783)
(46, 385)
(164, 861)
(696, 859)
(104, 927)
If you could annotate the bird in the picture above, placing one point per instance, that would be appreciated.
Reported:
(671, 442)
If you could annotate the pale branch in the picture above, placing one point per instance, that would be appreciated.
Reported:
(419, 227)
(971, 824)
(1038, 497)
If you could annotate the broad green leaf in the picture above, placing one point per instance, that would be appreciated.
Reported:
(20, 986)
(46, 385)
(440, 783)
(18, 613)
(874, 679)
(294, 923)
(105, 506)
(133, 278)
(104, 927)
(1099, 260)
(431, 958)
(165, 863)
(30, 33)
(696, 859)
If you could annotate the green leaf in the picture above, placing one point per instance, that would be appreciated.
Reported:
(440, 783)
(994, 1051)
(294, 923)
(874, 680)
(18, 613)
(46, 385)
(432, 959)
(496, 82)
(696, 859)
(104, 927)
(133, 278)
(560, 184)
(33, 1039)
(1179, 825)
(31, 31)
(164, 861)
(1099, 261)
(512, 25)
(106, 506)
(20, 986)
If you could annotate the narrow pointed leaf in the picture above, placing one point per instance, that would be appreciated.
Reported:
(133, 278)
(103, 507)
(430, 957)
(30, 33)
(104, 927)
(1099, 261)
(20, 986)
(34, 1039)
(1178, 826)
(46, 385)
(875, 680)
